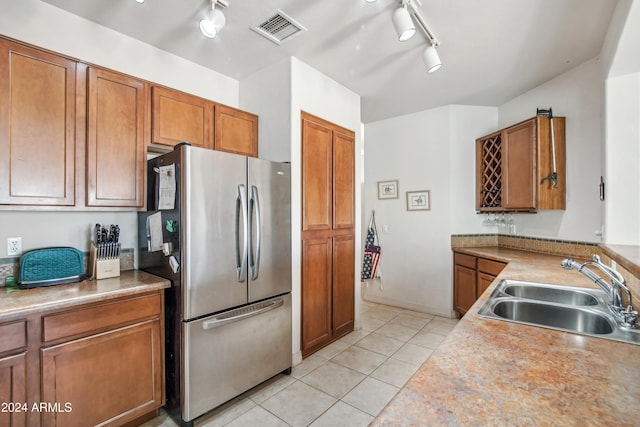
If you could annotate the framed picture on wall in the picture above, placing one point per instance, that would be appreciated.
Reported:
(419, 200)
(388, 189)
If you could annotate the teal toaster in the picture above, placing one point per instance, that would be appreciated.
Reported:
(51, 266)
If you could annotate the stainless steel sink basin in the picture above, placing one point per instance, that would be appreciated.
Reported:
(577, 310)
(569, 296)
(555, 316)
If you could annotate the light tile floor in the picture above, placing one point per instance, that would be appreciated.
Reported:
(346, 383)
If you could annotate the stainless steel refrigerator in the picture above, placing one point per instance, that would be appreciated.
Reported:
(218, 226)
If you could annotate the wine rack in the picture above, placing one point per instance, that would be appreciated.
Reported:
(491, 172)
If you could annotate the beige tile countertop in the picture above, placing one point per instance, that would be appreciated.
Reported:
(493, 372)
(26, 301)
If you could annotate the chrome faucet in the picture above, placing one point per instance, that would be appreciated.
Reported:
(626, 314)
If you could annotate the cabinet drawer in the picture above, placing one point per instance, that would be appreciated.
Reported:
(14, 336)
(100, 317)
(490, 267)
(464, 260)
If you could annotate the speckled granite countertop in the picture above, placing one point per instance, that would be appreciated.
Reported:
(24, 302)
(492, 372)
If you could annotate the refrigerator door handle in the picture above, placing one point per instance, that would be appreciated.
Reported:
(241, 254)
(255, 213)
(242, 313)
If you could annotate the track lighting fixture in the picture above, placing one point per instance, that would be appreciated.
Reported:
(213, 22)
(431, 59)
(403, 23)
(405, 19)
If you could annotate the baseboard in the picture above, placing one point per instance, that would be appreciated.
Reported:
(415, 307)
(296, 358)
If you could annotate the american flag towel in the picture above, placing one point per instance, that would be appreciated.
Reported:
(371, 252)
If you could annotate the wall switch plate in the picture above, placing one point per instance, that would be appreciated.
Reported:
(14, 246)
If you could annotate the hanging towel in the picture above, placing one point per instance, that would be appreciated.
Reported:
(371, 251)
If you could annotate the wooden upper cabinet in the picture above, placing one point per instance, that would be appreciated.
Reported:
(317, 176)
(343, 180)
(115, 139)
(518, 159)
(236, 131)
(512, 163)
(177, 116)
(37, 127)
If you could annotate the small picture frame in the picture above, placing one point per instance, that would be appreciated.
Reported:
(419, 200)
(388, 189)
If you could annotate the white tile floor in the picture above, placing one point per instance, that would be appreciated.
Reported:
(346, 383)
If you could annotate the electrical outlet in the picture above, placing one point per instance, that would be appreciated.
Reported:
(14, 245)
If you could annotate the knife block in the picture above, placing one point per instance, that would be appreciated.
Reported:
(103, 268)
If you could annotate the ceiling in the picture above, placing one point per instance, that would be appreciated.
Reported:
(492, 50)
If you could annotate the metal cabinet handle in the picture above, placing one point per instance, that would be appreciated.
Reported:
(241, 253)
(255, 213)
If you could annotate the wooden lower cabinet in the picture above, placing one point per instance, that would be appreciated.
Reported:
(464, 288)
(471, 277)
(327, 290)
(112, 377)
(343, 289)
(93, 364)
(13, 390)
(316, 293)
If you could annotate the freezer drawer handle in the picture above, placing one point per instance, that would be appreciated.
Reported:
(242, 314)
(254, 265)
(241, 255)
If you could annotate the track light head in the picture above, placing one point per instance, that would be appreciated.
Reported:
(431, 59)
(403, 23)
(213, 22)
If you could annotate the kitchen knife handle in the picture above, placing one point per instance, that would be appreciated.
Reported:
(255, 213)
(241, 254)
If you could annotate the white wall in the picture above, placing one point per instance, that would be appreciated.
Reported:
(623, 160)
(317, 94)
(622, 141)
(43, 25)
(430, 150)
(267, 93)
(467, 124)
(577, 95)
(278, 94)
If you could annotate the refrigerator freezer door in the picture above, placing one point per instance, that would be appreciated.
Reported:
(269, 189)
(228, 353)
(214, 185)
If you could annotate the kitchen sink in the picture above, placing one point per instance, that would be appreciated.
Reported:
(551, 293)
(555, 316)
(570, 309)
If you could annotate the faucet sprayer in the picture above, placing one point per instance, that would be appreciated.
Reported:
(626, 314)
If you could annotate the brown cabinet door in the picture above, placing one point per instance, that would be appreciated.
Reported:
(317, 176)
(343, 180)
(464, 288)
(114, 376)
(177, 117)
(37, 127)
(236, 131)
(484, 280)
(316, 294)
(115, 140)
(13, 390)
(343, 280)
(519, 157)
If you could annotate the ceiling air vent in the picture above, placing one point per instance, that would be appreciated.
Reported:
(279, 28)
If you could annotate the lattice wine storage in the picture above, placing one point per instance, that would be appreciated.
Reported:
(490, 172)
